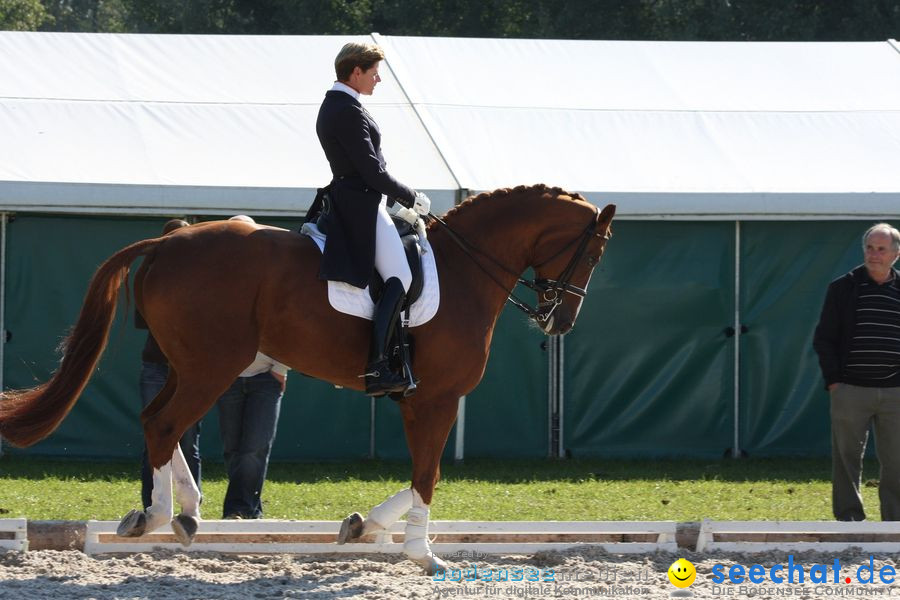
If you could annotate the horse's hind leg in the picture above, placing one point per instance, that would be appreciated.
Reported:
(165, 421)
(136, 522)
(161, 510)
(187, 495)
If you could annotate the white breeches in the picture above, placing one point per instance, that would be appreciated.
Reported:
(390, 259)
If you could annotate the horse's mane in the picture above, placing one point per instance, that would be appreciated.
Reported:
(539, 188)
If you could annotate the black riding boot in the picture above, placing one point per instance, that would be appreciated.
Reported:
(380, 379)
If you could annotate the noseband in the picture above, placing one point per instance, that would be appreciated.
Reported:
(550, 291)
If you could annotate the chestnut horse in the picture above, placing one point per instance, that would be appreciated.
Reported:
(215, 293)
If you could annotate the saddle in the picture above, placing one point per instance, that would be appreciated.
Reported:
(318, 213)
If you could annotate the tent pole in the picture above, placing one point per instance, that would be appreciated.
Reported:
(551, 386)
(3, 221)
(736, 448)
(459, 452)
(372, 427)
(379, 39)
(560, 393)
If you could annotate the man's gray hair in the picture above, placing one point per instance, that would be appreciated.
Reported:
(886, 229)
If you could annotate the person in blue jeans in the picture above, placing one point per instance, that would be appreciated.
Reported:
(154, 372)
(248, 418)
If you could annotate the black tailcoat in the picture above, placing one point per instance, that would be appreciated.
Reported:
(352, 144)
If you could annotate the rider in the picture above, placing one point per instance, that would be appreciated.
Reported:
(361, 235)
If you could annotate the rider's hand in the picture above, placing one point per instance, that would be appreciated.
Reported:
(422, 204)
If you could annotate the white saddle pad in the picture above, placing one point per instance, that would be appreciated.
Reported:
(352, 300)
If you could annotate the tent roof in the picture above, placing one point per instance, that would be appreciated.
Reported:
(218, 124)
(158, 123)
(667, 128)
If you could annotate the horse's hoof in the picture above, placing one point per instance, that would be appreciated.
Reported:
(432, 564)
(351, 529)
(133, 524)
(185, 527)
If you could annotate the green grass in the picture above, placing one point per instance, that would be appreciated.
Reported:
(682, 490)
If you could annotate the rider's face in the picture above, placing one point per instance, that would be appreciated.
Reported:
(364, 82)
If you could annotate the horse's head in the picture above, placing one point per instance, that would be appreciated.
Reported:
(563, 262)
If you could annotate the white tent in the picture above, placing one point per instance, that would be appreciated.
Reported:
(109, 123)
(183, 124)
(688, 129)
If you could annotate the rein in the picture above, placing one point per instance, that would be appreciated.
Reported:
(550, 291)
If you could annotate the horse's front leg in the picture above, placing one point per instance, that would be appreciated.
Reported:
(426, 434)
(415, 542)
(427, 424)
(379, 518)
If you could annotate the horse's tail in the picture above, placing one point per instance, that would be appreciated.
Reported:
(28, 416)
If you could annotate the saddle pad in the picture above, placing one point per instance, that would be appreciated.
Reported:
(355, 301)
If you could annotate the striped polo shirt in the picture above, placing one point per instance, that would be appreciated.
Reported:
(875, 348)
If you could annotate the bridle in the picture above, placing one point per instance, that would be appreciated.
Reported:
(550, 291)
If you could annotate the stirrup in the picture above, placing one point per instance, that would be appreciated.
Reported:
(380, 380)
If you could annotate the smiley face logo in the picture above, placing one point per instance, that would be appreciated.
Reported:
(682, 573)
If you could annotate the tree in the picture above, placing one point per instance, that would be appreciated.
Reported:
(22, 15)
(762, 20)
(106, 16)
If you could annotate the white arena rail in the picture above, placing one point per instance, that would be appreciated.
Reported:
(460, 538)
(13, 534)
(760, 536)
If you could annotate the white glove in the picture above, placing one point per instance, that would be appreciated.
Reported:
(422, 204)
(407, 214)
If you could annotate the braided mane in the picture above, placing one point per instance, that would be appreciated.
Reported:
(540, 188)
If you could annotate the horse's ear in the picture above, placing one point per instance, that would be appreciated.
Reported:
(607, 213)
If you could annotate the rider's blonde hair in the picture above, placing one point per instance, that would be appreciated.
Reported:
(355, 54)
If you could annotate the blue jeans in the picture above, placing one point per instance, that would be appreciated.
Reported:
(153, 378)
(248, 417)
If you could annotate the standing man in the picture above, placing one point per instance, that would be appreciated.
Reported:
(858, 343)
(248, 419)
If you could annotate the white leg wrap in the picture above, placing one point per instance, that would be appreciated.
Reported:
(187, 494)
(415, 544)
(386, 514)
(160, 510)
